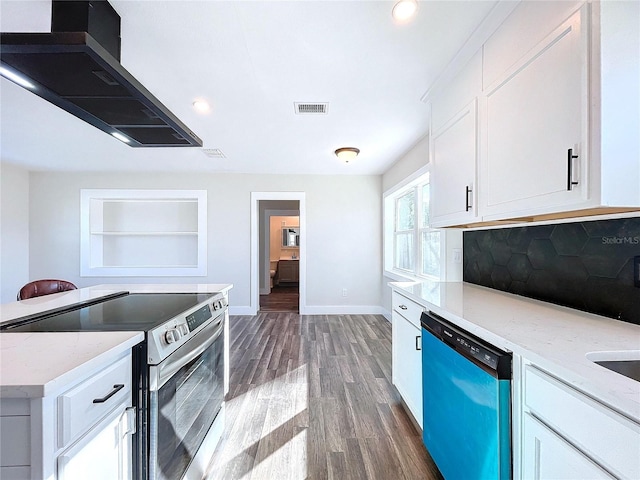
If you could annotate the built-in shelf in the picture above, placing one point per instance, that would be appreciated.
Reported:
(143, 232)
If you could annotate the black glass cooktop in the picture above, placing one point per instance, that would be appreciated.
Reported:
(136, 311)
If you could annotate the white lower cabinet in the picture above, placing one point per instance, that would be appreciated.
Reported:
(567, 434)
(407, 354)
(548, 456)
(104, 451)
(82, 430)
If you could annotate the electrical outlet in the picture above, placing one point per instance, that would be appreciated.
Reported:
(344, 292)
(636, 271)
(457, 255)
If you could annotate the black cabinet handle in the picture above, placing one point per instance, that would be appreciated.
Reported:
(466, 198)
(570, 157)
(418, 347)
(116, 389)
(403, 307)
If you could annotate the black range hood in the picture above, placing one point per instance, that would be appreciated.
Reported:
(77, 67)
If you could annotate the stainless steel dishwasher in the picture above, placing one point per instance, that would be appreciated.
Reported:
(466, 389)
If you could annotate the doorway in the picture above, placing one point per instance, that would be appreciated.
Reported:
(278, 247)
(280, 291)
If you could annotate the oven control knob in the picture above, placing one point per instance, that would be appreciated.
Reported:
(172, 336)
(183, 329)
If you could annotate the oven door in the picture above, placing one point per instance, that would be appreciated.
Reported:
(186, 394)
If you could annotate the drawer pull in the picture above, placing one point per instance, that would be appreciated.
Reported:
(403, 307)
(418, 343)
(116, 389)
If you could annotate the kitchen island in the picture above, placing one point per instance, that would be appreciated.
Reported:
(65, 396)
(591, 411)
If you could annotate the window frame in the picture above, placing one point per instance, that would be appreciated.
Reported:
(414, 182)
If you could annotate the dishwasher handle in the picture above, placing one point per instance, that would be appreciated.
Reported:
(488, 357)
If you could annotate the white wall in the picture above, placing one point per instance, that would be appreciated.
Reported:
(344, 241)
(409, 163)
(14, 230)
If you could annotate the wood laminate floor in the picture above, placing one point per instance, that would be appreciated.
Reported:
(283, 298)
(311, 398)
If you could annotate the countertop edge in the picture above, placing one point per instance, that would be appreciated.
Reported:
(59, 382)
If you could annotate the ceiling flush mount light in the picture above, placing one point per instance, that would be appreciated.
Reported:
(347, 154)
(201, 106)
(404, 10)
(15, 78)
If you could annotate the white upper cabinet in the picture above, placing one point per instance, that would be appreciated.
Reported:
(535, 155)
(616, 140)
(454, 149)
(558, 118)
(453, 157)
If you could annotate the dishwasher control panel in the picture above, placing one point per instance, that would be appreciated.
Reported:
(468, 345)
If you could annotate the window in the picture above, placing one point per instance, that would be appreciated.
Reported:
(412, 248)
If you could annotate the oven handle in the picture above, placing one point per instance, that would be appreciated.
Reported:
(160, 374)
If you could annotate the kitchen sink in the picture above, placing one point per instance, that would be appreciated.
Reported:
(625, 363)
(628, 368)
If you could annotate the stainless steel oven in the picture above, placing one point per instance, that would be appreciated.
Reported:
(186, 392)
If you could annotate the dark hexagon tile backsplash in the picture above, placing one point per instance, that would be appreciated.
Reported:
(584, 265)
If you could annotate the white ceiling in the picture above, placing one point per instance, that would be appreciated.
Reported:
(252, 61)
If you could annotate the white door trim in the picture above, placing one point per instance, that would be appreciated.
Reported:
(255, 245)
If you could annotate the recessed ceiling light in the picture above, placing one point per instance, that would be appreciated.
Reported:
(347, 154)
(404, 10)
(201, 106)
(120, 137)
(14, 77)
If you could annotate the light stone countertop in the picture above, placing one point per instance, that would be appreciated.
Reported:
(555, 338)
(35, 365)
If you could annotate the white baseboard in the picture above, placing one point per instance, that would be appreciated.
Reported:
(343, 310)
(324, 310)
(265, 291)
(241, 310)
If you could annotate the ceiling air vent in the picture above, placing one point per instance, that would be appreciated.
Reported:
(214, 153)
(311, 108)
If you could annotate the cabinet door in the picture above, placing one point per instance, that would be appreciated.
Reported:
(104, 453)
(407, 364)
(534, 115)
(546, 455)
(454, 170)
(288, 271)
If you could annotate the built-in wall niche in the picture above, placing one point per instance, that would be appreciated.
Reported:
(143, 232)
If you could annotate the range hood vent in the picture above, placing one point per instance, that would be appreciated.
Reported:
(77, 68)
